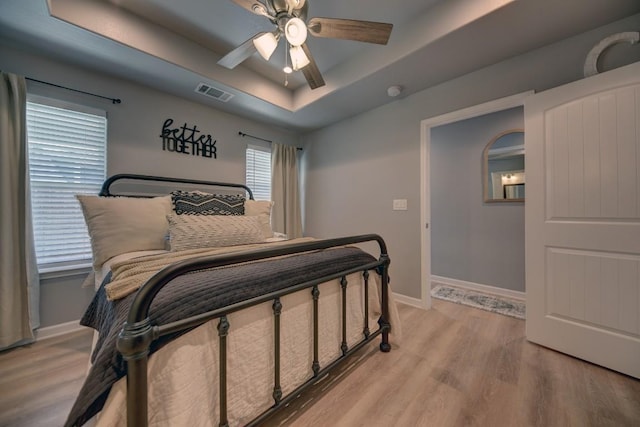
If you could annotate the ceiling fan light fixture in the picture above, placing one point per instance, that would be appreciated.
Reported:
(290, 19)
(265, 45)
(295, 31)
(287, 69)
(298, 58)
(259, 9)
(295, 4)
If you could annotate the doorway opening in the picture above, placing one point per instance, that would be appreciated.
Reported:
(427, 133)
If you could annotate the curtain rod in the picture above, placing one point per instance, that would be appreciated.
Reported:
(113, 100)
(261, 139)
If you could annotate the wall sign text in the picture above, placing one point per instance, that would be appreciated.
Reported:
(186, 140)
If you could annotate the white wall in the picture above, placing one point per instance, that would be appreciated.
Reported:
(356, 167)
(134, 145)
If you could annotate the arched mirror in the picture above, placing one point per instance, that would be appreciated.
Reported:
(503, 167)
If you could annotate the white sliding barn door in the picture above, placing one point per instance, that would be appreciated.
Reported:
(582, 219)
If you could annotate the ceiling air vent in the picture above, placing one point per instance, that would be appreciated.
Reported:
(214, 92)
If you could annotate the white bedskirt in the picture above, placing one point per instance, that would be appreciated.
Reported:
(183, 375)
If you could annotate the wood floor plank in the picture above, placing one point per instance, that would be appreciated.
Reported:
(455, 366)
(39, 382)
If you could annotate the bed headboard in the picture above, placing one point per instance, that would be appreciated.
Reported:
(106, 186)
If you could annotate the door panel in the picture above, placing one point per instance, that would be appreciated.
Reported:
(592, 155)
(594, 288)
(582, 219)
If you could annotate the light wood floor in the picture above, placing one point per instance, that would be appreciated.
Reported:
(40, 382)
(456, 366)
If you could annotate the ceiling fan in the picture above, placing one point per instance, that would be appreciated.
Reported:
(290, 18)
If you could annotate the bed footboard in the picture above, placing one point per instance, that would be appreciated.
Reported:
(138, 333)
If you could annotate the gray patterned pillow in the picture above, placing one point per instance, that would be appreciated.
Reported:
(200, 203)
(212, 231)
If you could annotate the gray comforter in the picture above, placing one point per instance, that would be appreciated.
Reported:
(190, 295)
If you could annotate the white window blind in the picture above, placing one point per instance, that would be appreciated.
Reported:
(258, 169)
(67, 156)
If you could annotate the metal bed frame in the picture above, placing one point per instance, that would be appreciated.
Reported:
(138, 333)
(105, 191)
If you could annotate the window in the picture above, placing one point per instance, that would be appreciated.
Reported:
(259, 172)
(67, 156)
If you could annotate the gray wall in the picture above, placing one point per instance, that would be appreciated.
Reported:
(356, 167)
(134, 145)
(353, 169)
(471, 240)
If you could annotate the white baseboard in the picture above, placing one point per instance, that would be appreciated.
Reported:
(413, 302)
(57, 330)
(73, 326)
(493, 290)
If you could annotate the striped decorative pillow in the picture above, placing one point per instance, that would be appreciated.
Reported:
(212, 231)
(200, 203)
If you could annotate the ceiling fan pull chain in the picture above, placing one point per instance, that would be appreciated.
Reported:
(287, 70)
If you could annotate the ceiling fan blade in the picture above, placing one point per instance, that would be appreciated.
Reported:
(349, 29)
(311, 71)
(239, 54)
(253, 6)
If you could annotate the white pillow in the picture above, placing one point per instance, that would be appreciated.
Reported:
(212, 231)
(124, 224)
(261, 209)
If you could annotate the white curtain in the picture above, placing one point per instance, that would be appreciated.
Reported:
(285, 217)
(19, 281)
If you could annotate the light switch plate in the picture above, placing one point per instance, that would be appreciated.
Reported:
(400, 204)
